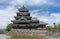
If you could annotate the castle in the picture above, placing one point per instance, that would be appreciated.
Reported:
(23, 20)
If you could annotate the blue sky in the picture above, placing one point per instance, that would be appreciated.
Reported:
(45, 10)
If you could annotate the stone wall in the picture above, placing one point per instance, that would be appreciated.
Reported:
(53, 33)
(27, 32)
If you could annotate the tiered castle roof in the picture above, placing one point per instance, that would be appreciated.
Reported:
(23, 18)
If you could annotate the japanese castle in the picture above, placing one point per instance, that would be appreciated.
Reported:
(23, 20)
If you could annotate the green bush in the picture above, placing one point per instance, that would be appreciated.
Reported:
(58, 26)
(49, 28)
(9, 27)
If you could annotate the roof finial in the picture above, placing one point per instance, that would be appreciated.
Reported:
(23, 7)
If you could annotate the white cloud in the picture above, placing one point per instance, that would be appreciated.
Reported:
(46, 17)
(29, 2)
(6, 15)
(34, 2)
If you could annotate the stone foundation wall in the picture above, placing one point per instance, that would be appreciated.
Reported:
(53, 33)
(27, 32)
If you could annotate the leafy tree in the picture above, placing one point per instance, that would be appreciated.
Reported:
(9, 27)
(58, 26)
(49, 28)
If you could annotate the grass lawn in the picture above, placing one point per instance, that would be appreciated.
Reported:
(27, 37)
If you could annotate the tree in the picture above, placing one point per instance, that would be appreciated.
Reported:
(9, 27)
(58, 26)
(49, 28)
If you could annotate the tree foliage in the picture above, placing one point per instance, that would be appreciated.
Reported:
(58, 26)
(49, 28)
(9, 27)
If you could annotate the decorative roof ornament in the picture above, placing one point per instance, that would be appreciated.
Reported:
(23, 9)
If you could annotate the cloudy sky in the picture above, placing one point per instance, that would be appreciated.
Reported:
(45, 10)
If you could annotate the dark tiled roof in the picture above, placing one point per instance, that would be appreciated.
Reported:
(23, 9)
(43, 23)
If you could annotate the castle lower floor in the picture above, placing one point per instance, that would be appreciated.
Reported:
(28, 27)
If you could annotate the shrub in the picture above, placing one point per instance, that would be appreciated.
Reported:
(9, 27)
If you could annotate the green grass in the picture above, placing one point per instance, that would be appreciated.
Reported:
(27, 37)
